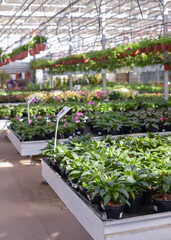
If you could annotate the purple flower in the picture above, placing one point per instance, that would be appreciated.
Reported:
(30, 121)
(129, 49)
(91, 103)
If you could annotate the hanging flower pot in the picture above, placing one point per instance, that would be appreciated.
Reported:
(157, 48)
(164, 47)
(38, 47)
(43, 46)
(35, 50)
(143, 50)
(32, 53)
(24, 54)
(8, 60)
(13, 59)
(167, 67)
(148, 49)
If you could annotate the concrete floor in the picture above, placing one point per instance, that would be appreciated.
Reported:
(29, 209)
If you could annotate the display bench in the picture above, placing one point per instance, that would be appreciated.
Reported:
(4, 124)
(27, 148)
(144, 227)
(31, 148)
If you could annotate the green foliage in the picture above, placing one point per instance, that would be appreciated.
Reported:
(117, 169)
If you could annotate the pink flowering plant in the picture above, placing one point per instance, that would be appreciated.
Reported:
(80, 120)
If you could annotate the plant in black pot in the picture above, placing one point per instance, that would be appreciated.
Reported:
(162, 199)
(151, 124)
(69, 129)
(135, 182)
(114, 195)
(56, 157)
(79, 120)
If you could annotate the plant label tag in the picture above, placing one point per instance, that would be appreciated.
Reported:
(63, 112)
(59, 116)
(99, 133)
(31, 99)
(74, 185)
(163, 130)
(28, 110)
(120, 215)
(77, 87)
(70, 137)
(78, 132)
(155, 208)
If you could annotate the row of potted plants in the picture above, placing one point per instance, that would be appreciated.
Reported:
(80, 96)
(116, 175)
(37, 44)
(143, 53)
(136, 104)
(97, 123)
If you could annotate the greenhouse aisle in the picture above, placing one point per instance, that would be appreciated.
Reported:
(29, 208)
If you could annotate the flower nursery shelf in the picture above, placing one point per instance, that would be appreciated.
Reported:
(146, 227)
(4, 124)
(27, 148)
(31, 148)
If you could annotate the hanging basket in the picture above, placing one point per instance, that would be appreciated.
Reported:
(167, 67)
(43, 46)
(38, 47)
(8, 60)
(32, 53)
(36, 51)
(24, 54)
(164, 47)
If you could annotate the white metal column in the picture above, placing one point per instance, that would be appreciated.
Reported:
(70, 49)
(103, 24)
(50, 75)
(166, 73)
(157, 76)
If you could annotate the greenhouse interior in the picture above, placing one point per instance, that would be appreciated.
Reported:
(85, 119)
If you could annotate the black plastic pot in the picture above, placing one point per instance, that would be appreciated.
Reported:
(152, 129)
(126, 129)
(100, 132)
(115, 212)
(134, 205)
(83, 191)
(79, 132)
(74, 183)
(147, 198)
(114, 132)
(136, 130)
(161, 205)
(68, 134)
(55, 166)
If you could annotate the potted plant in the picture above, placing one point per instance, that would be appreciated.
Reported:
(114, 195)
(69, 129)
(80, 124)
(162, 199)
